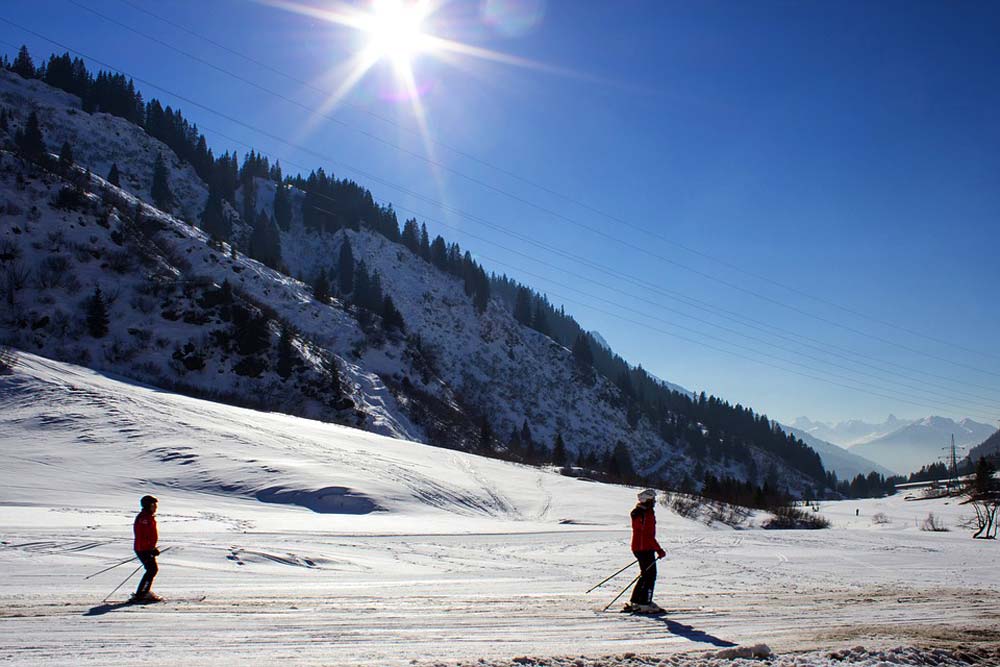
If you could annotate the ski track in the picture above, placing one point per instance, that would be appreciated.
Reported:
(445, 598)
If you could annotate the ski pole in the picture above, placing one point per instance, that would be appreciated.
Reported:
(110, 568)
(123, 583)
(630, 584)
(623, 591)
(118, 565)
(615, 574)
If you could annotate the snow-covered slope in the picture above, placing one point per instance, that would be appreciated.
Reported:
(923, 442)
(100, 140)
(846, 464)
(305, 543)
(170, 321)
(138, 439)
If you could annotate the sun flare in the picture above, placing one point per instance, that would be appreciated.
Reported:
(395, 31)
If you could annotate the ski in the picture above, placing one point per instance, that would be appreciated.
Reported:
(142, 603)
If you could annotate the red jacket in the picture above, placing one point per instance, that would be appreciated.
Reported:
(644, 530)
(144, 529)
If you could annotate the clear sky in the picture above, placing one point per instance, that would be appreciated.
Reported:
(792, 205)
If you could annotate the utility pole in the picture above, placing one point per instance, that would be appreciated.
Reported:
(954, 463)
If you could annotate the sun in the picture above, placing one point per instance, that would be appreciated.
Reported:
(395, 31)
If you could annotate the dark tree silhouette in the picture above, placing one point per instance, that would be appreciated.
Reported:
(163, 197)
(97, 315)
(30, 141)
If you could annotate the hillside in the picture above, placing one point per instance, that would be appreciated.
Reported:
(989, 447)
(418, 355)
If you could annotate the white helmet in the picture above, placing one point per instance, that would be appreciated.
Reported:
(647, 494)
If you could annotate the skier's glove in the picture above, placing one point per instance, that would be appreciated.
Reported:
(156, 552)
(661, 553)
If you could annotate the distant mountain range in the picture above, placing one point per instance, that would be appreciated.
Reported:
(923, 442)
(902, 446)
(846, 464)
(851, 432)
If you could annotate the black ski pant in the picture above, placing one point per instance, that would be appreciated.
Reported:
(643, 591)
(149, 562)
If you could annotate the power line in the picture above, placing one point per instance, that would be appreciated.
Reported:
(584, 260)
(543, 188)
(548, 248)
(560, 216)
(935, 405)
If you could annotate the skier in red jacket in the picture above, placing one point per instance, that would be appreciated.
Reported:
(144, 530)
(646, 549)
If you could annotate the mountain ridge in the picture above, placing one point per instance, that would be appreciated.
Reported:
(172, 318)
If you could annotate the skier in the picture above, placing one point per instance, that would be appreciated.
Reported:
(646, 549)
(144, 529)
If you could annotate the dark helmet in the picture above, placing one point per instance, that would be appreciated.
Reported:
(146, 501)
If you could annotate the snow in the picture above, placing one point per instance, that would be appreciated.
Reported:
(387, 552)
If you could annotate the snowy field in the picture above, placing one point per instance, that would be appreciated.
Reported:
(297, 542)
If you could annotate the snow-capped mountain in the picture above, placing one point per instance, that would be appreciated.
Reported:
(846, 464)
(849, 432)
(191, 313)
(923, 442)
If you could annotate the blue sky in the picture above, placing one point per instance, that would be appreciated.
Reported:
(820, 179)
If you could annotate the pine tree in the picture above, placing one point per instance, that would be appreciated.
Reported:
(485, 435)
(525, 433)
(392, 319)
(582, 353)
(30, 140)
(265, 241)
(321, 287)
(362, 286)
(213, 217)
(375, 300)
(163, 198)
(249, 197)
(439, 253)
(250, 330)
(282, 206)
(286, 357)
(522, 307)
(481, 291)
(345, 268)
(619, 463)
(425, 243)
(514, 442)
(97, 315)
(538, 320)
(559, 450)
(411, 235)
(66, 157)
(983, 483)
(114, 178)
(23, 64)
